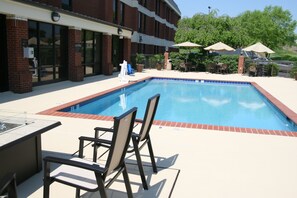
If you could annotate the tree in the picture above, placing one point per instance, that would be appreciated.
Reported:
(273, 27)
(207, 29)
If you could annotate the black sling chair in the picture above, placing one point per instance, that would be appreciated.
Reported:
(90, 176)
(140, 139)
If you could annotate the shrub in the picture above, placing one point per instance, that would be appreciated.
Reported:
(272, 69)
(293, 71)
(176, 58)
(140, 58)
(152, 61)
(159, 58)
(285, 57)
(230, 60)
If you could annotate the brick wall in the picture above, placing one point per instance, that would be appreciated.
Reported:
(107, 66)
(75, 69)
(149, 49)
(93, 8)
(150, 30)
(131, 17)
(19, 76)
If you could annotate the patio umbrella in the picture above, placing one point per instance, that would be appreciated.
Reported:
(186, 44)
(219, 47)
(259, 47)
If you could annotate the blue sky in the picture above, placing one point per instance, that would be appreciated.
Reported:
(233, 8)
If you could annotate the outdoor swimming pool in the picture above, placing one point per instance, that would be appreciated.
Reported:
(193, 101)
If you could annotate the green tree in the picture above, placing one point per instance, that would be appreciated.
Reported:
(207, 29)
(273, 27)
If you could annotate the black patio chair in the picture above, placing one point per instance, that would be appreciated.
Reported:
(90, 176)
(223, 68)
(8, 186)
(212, 67)
(182, 67)
(140, 139)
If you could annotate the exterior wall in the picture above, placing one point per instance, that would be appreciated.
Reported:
(95, 16)
(151, 5)
(149, 49)
(131, 17)
(75, 69)
(19, 76)
(167, 19)
(96, 10)
(150, 22)
(106, 58)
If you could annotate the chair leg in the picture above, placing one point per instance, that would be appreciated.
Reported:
(46, 180)
(149, 144)
(12, 191)
(101, 186)
(139, 163)
(77, 193)
(127, 182)
(46, 188)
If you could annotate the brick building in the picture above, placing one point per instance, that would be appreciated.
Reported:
(74, 39)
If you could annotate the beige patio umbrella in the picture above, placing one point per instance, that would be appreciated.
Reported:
(219, 47)
(258, 47)
(186, 44)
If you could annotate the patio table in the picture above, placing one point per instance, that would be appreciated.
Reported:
(20, 147)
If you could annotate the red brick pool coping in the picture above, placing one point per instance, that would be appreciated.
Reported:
(288, 112)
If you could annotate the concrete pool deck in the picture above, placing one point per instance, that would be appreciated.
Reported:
(201, 163)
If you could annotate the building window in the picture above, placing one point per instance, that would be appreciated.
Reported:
(168, 13)
(115, 11)
(157, 29)
(141, 48)
(91, 52)
(144, 24)
(122, 21)
(142, 2)
(157, 7)
(66, 4)
(50, 50)
(156, 49)
(141, 23)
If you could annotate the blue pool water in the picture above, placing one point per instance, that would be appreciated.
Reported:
(190, 101)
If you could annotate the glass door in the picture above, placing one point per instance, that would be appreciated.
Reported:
(50, 49)
(117, 52)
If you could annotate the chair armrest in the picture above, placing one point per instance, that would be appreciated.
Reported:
(139, 120)
(95, 140)
(87, 165)
(104, 129)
